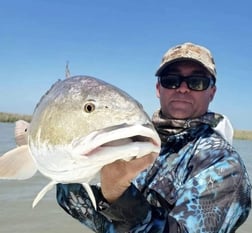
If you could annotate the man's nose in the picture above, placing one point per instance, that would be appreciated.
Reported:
(183, 88)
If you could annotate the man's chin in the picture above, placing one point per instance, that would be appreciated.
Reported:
(182, 115)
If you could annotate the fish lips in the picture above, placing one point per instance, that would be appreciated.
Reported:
(115, 137)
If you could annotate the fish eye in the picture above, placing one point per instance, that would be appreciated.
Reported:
(89, 107)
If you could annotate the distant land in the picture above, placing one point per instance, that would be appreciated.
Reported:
(12, 117)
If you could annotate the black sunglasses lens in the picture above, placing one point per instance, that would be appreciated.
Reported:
(198, 83)
(170, 82)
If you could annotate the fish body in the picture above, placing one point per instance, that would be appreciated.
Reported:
(80, 124)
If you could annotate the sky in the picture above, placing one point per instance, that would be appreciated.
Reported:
(122, 42)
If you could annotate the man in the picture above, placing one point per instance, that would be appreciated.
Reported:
(198, 183)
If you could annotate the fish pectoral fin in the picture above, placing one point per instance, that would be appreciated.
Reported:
(17, 164)
(42, 193)
(90, 194)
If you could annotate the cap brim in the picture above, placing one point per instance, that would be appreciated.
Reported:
(165, 65)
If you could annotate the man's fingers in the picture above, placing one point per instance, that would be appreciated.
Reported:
(139, 164)
(116, 177)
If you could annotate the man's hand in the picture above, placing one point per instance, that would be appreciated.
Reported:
(116, 177)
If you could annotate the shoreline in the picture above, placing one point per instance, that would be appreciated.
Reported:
(12, 117)
(243, 134)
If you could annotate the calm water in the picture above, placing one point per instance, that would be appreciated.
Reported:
(17, 215)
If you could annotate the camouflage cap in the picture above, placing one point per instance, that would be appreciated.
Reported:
(188, 51)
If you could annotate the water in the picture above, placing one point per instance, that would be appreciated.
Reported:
(17, 215)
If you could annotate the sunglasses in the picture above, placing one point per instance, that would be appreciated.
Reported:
(194, 82)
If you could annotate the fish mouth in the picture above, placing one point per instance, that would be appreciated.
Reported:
(120, 142)
(117, 136)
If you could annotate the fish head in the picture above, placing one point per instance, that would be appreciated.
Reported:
(83, 123)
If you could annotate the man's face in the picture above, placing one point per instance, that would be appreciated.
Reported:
(182, 102)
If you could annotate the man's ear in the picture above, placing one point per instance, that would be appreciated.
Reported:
(212, 94)
(158, 89)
